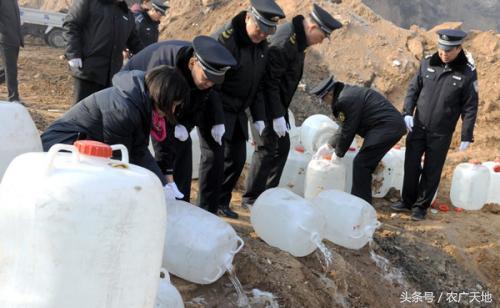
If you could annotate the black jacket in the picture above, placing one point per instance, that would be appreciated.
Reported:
(201, 105)
(97, 31)
(10, 24)
(147, 29)
(365, 112)
(441, 93)
(285, 66)
(242, 87)
(121, 114)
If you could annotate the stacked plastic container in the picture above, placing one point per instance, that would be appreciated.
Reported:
(470, 185)
(323, 174)
(494, 188)
(17, 132)
(294, 173)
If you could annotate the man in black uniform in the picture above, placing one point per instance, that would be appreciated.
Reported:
(11, 40)
(284, 70)
(203, 64)
(245, 37)
(365, 112)
(443, 89)
(148, 22)
(97, 31)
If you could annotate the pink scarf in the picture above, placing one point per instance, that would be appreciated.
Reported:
(159, 130)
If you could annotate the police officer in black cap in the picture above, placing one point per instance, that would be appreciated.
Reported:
(443, 89)
(203, 63)
(365, 112)
(148, 22)
(284, 70)
(245, 37)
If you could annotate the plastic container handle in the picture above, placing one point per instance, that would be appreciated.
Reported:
(56, 149)
(239, 239)
(356, 236)
(219, 273)
(123, 150)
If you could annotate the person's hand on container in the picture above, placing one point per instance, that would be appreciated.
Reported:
(177, 193)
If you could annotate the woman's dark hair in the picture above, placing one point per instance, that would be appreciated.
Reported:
(166, 87)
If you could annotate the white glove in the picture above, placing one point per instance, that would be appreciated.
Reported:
(409, 122)
(464, 145)
(169, 192)
(279, 126)
(323, 150)
(259, 126)
(76, 62)
(181, 132)
(217, 132)
(177, 193)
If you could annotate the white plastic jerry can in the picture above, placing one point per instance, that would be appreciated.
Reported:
(494, 189)
(294, 172)
(315, 131)
(382, 177)
(350, 221)
(469, 185)
(348, 162)
(287, 221)
(80, 229)
(398, 154)
(199, 246)
(17, 132)
(168, 296)
(294, 134)
(323, 174)
(196, 152)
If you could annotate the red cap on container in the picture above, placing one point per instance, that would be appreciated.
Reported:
(496, 169)
(300, 149)
(93, 148)
(475, 162)
(497, 160)
(352, 149)
(397, 147)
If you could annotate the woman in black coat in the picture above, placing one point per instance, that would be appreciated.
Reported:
(135, 107)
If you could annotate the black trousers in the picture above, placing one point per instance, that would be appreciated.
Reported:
(220, 168)
(83, 88)
(10, 55)
(211, 171)
(183, 166)
(421, 183)
(268, 162)
(366, 161)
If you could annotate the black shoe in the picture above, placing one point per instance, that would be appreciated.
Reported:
(227, 212)
(418, 213)
(400, 207)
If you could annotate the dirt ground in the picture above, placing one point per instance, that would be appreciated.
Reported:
(449, 252)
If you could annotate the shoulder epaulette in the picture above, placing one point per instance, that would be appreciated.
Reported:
(227, 33)
(471, 66)
(293, 39)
